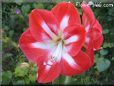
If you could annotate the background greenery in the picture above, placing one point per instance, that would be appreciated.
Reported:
(17, 69)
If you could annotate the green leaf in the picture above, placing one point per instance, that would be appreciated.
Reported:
(32, 78)
(26, 80)
(59, 80)
(104, 52)
(6, 77)
(11, 32)
(21, 71)
(102, 64)
(39, 6)
(19, 1)
(25, 8)
(108, 45)
(105, 31)
(19, 82)
(96, 57)
(112, 58)
(80, 11)
(49, 7)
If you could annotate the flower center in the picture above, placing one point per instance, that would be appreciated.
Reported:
(57, 52)
(55, 56)
(57, 39)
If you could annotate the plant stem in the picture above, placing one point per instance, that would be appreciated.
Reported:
(67, 80)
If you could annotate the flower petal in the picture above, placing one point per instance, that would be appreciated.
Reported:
(92, 26)
(90, 50)
(83, 60)
(48, 72)
(69, 66)
(33, 50)
(75, 65)
(42, 22)
(74, 38)
(98, 42)
(97, 35)
(87, 12)
(67, 14)
(96, 31)
(88, 17)
(97, 26)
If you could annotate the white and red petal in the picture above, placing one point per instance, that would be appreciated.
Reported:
(33, 50)
(66, 14)
(86, 22)
(74, 37)
(92, 27)
(87, 13)
(48, 72)
(90, 49)
(83, 60)
(75, 65)
(97, 35)
(97, 30)
(97, 26)
(98, 42)
(89, 20)
(42, 22)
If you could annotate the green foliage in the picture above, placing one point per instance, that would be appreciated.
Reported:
(106, 31)
(25, 9)
(104, 52)
(21, 71)
(16, 69)
(27, 71)
(59, 81)
(39, 6)
(102, 64)
(6, 77)
(108, 45)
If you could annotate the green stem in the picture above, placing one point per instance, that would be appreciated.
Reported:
(62, 80)
(67, 80)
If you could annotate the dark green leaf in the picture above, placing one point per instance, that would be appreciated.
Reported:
(102, 64)
(104, 52)
(25, 8)
(6, 77)
(21, 71)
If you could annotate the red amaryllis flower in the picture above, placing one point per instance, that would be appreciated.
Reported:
(54, 40)
(94, 37)
(92, 26)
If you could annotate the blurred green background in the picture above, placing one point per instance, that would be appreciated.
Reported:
(17, 69)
